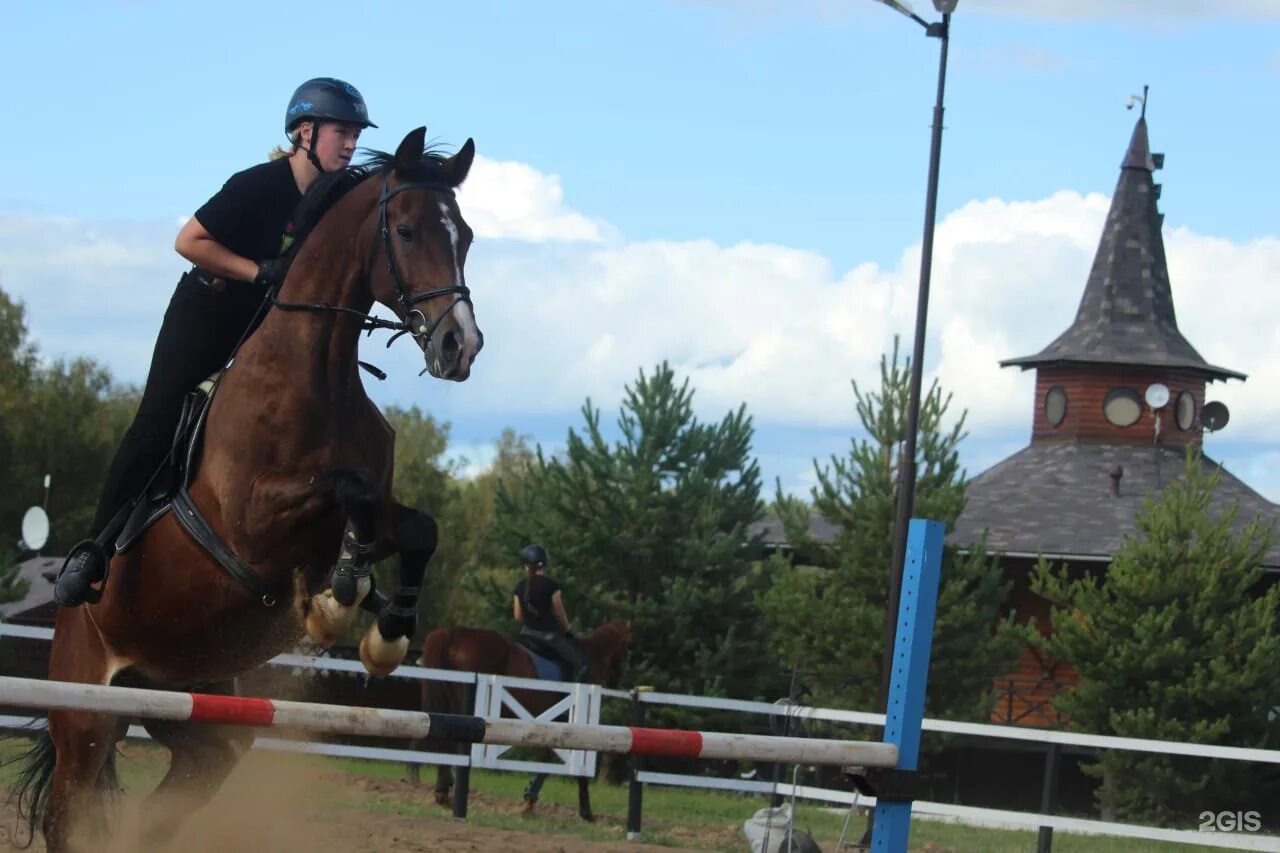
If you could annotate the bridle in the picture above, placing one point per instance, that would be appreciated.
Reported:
(416, 322)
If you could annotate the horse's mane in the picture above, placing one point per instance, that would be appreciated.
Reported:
(329, 188)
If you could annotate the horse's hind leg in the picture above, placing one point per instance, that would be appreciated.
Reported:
(201, 758)
(584, 800)
(415, 535)
(83, 777)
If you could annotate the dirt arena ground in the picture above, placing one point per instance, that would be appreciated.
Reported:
(284, 804)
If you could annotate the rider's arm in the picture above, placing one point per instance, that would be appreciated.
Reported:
(198, 246)
(515, 609)
(557, 604)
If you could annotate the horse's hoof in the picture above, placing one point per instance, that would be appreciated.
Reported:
(529, 806)
(379, 656)
(588, 817)
(328, 620)
(443, 798)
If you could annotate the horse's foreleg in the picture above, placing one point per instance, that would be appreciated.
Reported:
(332, 611)
(532, 792)
(415, 535)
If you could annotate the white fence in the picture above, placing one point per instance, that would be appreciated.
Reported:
(582, 703)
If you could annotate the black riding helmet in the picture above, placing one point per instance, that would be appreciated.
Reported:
(534, 555)
(322, 99)
(326, 99)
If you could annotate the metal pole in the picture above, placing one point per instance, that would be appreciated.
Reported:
(1044, 838)
(635, 796)
(907, 463)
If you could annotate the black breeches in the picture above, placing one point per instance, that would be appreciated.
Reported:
(200, 330)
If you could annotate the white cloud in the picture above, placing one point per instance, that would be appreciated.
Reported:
(569, 317)
(503, 199)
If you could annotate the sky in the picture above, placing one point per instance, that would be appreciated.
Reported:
(734, 186)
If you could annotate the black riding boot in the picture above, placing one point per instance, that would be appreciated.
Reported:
(85, 566)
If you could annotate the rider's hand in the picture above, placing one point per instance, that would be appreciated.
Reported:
(272, 271)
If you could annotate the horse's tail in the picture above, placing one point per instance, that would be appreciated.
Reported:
(30, 791)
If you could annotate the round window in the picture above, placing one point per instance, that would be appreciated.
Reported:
(1186, 411)
(1055, 405)
(1122, 407)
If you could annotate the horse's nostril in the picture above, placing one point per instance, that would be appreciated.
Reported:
(450, 346)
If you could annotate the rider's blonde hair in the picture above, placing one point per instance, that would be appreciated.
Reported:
(280, 152)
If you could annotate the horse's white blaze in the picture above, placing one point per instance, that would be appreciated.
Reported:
(465, 319)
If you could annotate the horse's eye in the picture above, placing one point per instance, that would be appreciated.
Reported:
(405, 231)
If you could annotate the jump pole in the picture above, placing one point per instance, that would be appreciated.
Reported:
(383, 722)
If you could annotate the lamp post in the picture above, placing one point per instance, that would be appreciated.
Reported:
(907, 464)
(940, 30)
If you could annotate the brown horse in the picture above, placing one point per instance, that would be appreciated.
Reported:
(485, 651)
(293, 477)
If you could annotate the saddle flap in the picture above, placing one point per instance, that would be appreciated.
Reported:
(175, 472)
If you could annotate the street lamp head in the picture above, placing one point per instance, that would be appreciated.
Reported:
(899, 6)
(946, 7)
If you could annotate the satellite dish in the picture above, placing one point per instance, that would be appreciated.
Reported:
(35, 528)
(1214, 416)
(1157, 396)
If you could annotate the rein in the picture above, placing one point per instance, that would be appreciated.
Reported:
(416, 322)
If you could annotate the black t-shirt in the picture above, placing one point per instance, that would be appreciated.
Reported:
(252, 215)
(536, 605)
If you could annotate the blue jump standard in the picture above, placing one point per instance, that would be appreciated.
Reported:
(912, 646)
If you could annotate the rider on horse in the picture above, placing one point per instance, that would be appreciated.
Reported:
(539, 609)
(238, 243)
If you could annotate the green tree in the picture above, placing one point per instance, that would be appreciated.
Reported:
(63, 419)
(653, 528)
(487, 582)
(1176, 642)
(12, 587)
(828, 616)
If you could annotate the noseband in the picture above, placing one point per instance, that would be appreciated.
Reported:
(416, 322)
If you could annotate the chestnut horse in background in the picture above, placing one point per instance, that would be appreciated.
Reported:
(293, 479)
(485, 651)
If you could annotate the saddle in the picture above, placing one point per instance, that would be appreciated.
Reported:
(545, 659)
(178, 468)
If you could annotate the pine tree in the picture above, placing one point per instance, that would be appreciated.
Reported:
(12, 587)
(1176, 642)
(829, 615)
(653, 528)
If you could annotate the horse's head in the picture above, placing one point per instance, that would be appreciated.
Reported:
(425, 240)
(607, 647)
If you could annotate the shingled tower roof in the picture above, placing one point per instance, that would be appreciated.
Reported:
(1126, 315)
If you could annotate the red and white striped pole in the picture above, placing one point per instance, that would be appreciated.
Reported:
(383, 722)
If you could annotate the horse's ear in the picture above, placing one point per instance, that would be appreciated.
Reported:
(409, 154)
(460, 164)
